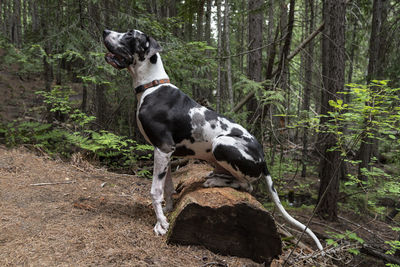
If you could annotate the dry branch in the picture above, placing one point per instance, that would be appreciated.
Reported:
(54, 183)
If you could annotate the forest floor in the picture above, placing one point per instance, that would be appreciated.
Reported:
(92, 218)
(87, 216)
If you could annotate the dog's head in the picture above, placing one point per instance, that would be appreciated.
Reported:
(129, 47)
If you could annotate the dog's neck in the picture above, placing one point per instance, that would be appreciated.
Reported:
(144, 72)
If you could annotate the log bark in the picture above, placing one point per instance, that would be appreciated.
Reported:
(223, 220)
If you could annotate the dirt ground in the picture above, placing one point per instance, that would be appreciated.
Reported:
(88, 216)
(94, 218)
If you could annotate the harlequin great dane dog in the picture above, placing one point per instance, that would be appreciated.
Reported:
(178, 126)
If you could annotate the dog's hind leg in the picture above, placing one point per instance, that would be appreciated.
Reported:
(232, 155)
(161, 166)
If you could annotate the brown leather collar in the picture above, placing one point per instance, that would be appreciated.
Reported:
(144, 87)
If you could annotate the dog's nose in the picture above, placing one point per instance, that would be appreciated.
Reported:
(105, 33)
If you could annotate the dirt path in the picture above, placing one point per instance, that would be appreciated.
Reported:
(83, 223)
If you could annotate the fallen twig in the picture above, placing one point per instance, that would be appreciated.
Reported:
(55, 183)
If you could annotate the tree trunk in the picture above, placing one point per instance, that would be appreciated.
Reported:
(353, 47)
(228, 55)
(287, 31)
(101, 105)
(207, 36)
(24, 17)
(223, 220)
(219, 54)
(7, 19)
(207, 32)
(189, 29)
(107, 24)
(271, 40)
(200, 16)
(287, 23)
(254, 59)
(308, 74)
(2, 21)
(375, 65)
(334, 11)
(47, 68)
(35, 16)
(17, 30)
(241, 36)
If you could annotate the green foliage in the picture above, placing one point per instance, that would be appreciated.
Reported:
(27, 60)
(41, 135)
(350, 237)
(186, 63)
(58, 99)
(394, 246)
(373, 111)
(63, 139)
(114, 151)
(374, 106)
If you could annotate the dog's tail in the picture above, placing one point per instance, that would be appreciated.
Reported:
(286, 215)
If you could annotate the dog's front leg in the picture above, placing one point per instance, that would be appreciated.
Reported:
(161, 163)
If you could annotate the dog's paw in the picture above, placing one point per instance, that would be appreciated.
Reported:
(161, 228)
(219, 182)
(233, 183)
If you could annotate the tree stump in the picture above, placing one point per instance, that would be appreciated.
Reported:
(223, 220)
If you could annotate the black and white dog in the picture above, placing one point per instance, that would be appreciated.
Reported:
(178, 126)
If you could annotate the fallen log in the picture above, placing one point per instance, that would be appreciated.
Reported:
(369, 250)
(224, 220)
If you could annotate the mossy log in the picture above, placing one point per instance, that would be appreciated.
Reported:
(224, 220)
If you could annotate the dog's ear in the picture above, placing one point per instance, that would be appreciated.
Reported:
(153, 46)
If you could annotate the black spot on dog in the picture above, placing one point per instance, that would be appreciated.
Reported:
(213, 126)
(265, 170)
(272, 187)
(153, 59)
(161, 175)
(210, 115)
(167, 122)
(236, 132)
(208, 150)
(182, 151)
(224, 126)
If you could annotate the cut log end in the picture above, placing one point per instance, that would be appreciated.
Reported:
(223, 220)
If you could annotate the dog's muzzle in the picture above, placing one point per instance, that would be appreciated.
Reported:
(117, 61)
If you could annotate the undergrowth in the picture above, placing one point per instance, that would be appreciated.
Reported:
(73, 134)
